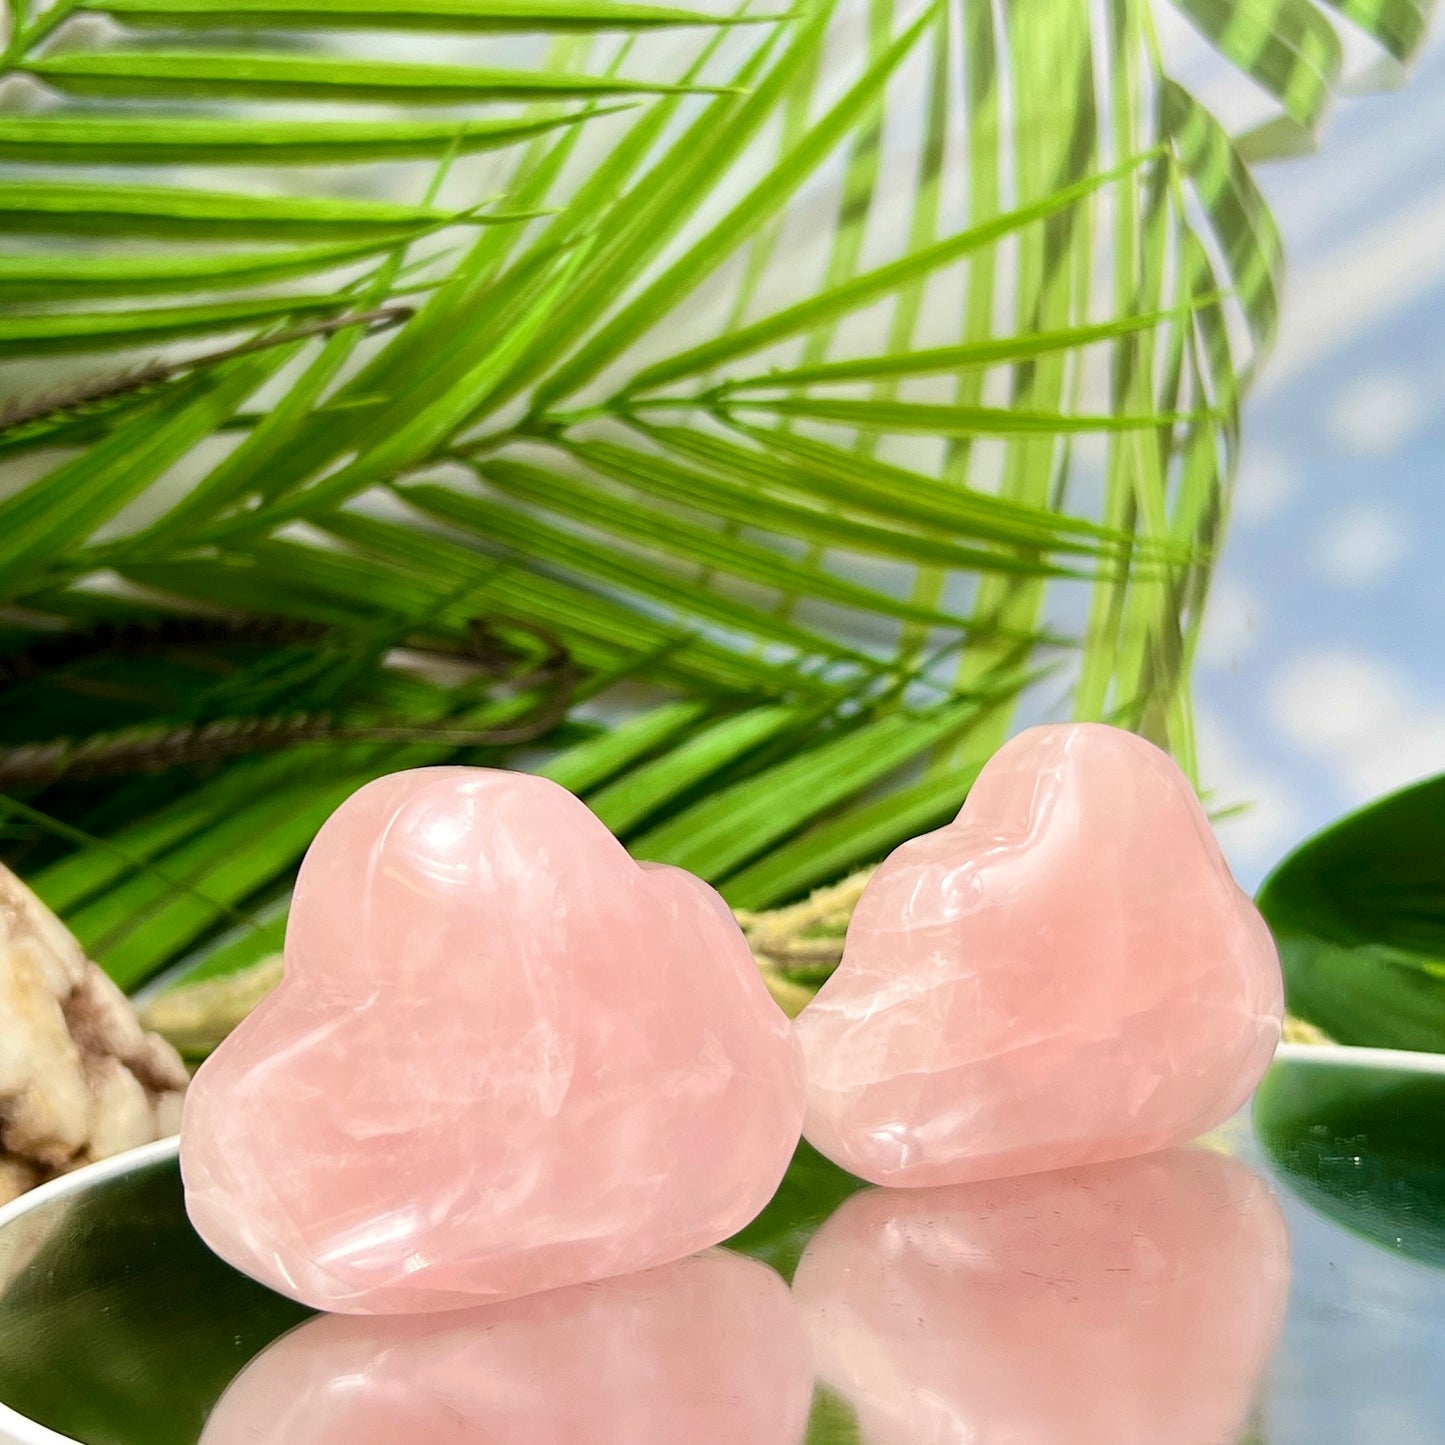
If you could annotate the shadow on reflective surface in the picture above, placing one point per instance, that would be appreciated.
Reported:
(1127, 1304)
(708, 1351)
(1364, 1144)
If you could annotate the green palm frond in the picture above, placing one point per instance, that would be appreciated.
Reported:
(831, 387)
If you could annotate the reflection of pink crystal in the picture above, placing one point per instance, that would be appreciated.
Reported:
(503, 1058)
(1065, 974)
(1132, 1303)
(708, 1351)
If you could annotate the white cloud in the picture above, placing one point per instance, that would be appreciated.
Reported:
(1268, 482)
(1231, 621)
(1361, 545)
(1376, 415)
(1360, 717)
(1334, 701)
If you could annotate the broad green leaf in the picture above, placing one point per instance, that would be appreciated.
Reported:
(450, 15)
(1361, 1139)
(124, 139)
(1358, 913)
(277, 75)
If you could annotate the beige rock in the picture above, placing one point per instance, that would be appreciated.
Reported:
(15, 1178)
(80, 1079)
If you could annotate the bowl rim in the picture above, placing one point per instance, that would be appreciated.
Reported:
(1357, 1055)
(15, 1428)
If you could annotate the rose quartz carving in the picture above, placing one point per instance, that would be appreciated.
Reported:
(1133, 1303)
(1065, 974)
(503, 1058)
(708, 1351)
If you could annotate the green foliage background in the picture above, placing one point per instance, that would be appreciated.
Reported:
(1358, 912)
(837, 388)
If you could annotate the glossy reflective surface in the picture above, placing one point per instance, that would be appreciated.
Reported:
(709, 1349)
(1137, 1302)
(1365, 1146)
(1123, 1304)
(117, 1323)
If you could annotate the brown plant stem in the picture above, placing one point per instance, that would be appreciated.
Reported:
(83, 395)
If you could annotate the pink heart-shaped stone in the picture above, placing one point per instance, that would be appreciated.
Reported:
(504, 1057)
(1067, 973)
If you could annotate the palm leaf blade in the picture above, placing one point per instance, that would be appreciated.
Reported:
(267, 75)
(123, 139)
(450, 15)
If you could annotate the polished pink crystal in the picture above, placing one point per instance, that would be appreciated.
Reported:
(707, 1351)
(1067, 973)
(504, 1057)
(1132, 1303)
